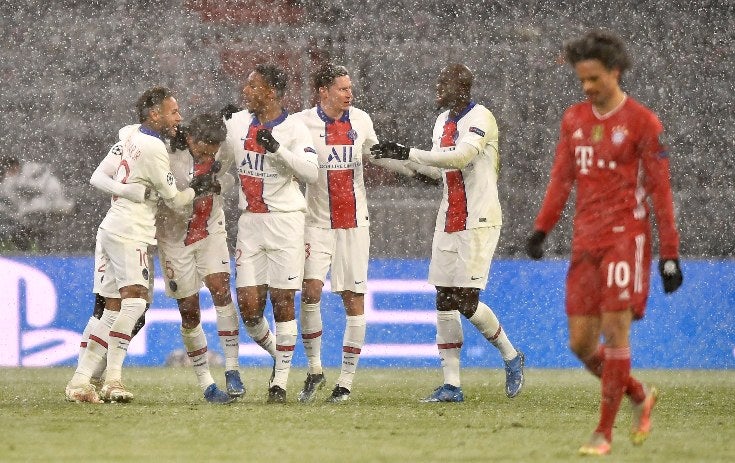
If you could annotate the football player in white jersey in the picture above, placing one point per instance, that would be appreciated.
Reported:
(465, 148)
(270, 148)
(127, 230)
(192, 248)
(337, 224)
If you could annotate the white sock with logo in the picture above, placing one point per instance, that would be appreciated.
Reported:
(195, 343)
(311, 335)
(120, 336)
(352, 343)
(91, 323)
(286, 334)
(487, 323)
(94, 359)
(263, 336)
(449, 339)
(228, 330)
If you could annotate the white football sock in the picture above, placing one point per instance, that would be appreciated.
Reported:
(195, 343)
(120, 335)
(228, 330)
(352, 343)
(286, 333)
(94, 360)
(311, 335)
(91, 323)
(487, 323)
(263, 336)
(449, 339)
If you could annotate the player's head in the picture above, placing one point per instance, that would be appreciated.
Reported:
(599, 58)
(204, 135)
(157, 108)
(454, 86)
(334, 87)
(264, 87)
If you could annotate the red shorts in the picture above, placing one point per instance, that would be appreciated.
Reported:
(610, 279)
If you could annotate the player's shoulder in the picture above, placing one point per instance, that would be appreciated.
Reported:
(359, 114)
(640, 109)
(578, 110)
(239, 118)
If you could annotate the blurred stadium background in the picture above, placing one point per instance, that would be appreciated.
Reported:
(72, 70)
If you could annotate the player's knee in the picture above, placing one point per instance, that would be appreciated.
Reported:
(311, 291)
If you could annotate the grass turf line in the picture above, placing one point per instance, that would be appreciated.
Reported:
(382, 421)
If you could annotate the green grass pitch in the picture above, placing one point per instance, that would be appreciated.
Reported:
(382, 422)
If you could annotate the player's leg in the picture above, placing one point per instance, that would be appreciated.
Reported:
(318, 251)
(195, 343)
(99, 307)
(352, 342)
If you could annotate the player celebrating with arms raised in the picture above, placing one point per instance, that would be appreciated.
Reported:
(610, 147)
(465, 147)
(270, 147)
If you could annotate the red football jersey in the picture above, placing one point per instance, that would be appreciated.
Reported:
(617, 162)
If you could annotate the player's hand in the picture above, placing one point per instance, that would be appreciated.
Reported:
(265, 139)
(671, 275)
(202, 184)
(228, 111)
(535, 245)
(391, 150)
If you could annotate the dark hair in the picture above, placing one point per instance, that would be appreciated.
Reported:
(325, 75)
(274, 76)
(207, 128)
(604, 46)
(150, 99)
(6, 162)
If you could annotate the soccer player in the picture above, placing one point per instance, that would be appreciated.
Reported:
(465, 148)
(611, 147)
(337, 233)
(192, 247)
(270, 147)
(127, 230)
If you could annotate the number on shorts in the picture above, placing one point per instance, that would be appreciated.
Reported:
(618, 273)
(238, 254)
(307, 250)
(170, 270)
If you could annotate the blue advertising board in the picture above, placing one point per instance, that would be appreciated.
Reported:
(45, 303)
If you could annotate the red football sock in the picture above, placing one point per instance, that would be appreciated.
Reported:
(615, 375)
(593, 363)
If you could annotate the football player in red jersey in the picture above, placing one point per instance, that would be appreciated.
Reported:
(610, 147)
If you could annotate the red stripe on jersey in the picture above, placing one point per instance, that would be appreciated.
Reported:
(197, 352)
(339, 133)
(456, 219)
(284, 348)
(449, 134)
(250, 143)
(342, 201)
(98, 340)
(252, 187)
(116, 334)
(311, 335)
(351, 350)
(197, 228)
(450, 345)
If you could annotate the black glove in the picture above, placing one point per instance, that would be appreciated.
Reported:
(228, 111)
(202, 184)
(265, 139)
(535, 245)
(671, 275)
(391, 150)
(178, 142)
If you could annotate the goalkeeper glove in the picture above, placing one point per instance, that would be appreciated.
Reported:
(535, 245)
(391, 150)
(265, 139)
(671, 275)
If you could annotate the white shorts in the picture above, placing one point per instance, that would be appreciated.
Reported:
(347, 251)
(102, 286)
(462, 259)
(270, 250)
(126, 262)
(185, 267)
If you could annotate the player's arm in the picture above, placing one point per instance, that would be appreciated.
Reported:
(103, 178)
(658, 184)
(557, 192)
(302, 160)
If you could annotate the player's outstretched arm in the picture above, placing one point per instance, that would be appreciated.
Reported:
(103, 178)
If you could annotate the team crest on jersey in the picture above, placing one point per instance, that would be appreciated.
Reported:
(145, 273)
(172, 284)
(478, 131)
(596, 135)
(619, 132)
(578, 134)
(170, 178)
(352, 134)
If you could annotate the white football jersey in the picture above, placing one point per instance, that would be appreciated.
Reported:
(470, 197)
(145, 161)
(267, 182)
(337, 199)
(197, 220)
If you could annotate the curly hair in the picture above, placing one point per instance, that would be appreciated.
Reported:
(150, 99)
(604, 46)
(274, 76)
(207, 128)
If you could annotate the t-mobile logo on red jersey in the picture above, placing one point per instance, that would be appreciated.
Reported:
(584, 158)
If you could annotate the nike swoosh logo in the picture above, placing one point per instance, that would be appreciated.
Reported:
(291, 278)
(225, 262)
(358, 282)
(475, 278)
(321, 135)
